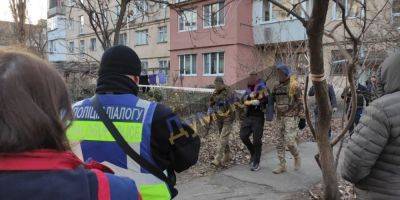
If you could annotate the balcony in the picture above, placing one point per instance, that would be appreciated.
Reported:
(279, 32)
(58, 10)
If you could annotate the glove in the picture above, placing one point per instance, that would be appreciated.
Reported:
(334, 110)
(302, 123)
(255, 102)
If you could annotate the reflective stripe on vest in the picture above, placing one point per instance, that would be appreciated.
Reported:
(134, 123)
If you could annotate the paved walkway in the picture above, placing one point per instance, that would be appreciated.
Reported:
(240, 183)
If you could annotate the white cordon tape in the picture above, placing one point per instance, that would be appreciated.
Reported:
(317, 77)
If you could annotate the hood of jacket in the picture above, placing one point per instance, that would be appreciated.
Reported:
(389, 75)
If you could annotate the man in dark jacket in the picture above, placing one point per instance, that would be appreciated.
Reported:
(332, 98)
(253, 123)
(372, 157)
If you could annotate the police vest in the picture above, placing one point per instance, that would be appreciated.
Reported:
(133, 118)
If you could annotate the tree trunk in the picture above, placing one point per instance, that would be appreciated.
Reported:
(120, 21)
(315, 34)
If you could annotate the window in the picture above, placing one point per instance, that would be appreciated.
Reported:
(214, 15)
(142, 37)
(145, 66)
(70, 24)
(71, 47)
(81, 47)
(162, 34)
(122, 40)
(396, 12)
(187, 64)
(163, 64)
(51, 23)
(92, 44)
(52, 46)
(82, 24)
(214, 63)
(187, 20)
(271, 12)
(353, 8)
(339, 62)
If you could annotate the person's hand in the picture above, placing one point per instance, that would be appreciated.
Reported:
(334, 110)
(252, 94)
(302, 123)
(255, 102)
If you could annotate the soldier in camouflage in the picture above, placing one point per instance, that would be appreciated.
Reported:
(219, 104)
(289, 109)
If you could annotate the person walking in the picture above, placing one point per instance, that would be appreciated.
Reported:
(220, 104)
(36, 161)
(332, 98)
(372, 156)
(289, 110)
(255, 100)
(362, 100)
(139, 139)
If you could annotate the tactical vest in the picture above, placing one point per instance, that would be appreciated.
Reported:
(284, 105)
(133, 118)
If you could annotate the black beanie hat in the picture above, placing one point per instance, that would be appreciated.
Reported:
(121, 60)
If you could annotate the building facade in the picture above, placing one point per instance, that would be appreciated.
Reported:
(56, 32)
(146, 31)
(208, 39)
(282, 38)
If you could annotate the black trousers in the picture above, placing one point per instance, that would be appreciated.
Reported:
(253, 126)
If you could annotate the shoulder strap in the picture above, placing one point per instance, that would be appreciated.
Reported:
(125, 146)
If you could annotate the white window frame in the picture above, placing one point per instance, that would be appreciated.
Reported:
(193, 60)
(163, 61)
(145, 66)
(393, 14)
(123, 39)
(290, 17)
(93, 44)
(184, 17)
(165, 32)
(218, 54)
(218, 13)
(81, 24)
(52, 46)
(335, 14)
(71, 48)
(82, 47)
(138, 37)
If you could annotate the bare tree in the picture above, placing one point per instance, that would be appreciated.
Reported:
(102, 20)
(37, 38)
(18, 10)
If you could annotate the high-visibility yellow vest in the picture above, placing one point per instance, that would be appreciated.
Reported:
(133, 118)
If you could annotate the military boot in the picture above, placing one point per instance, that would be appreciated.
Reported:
(280, 169)
(216, 163)
(227, 158)
(297, 162)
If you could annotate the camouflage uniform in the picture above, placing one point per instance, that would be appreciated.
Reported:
(219, 102)
(289, 110)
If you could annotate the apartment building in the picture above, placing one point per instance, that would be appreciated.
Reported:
(146, 31)
(282, 38)
(56, 32)
(210, 38)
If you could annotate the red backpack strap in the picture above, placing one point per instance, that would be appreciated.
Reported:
(103, 191)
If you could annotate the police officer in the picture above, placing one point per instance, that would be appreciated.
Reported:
(289, 108)
(150, 129)
(219, 103)
(255, 100)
